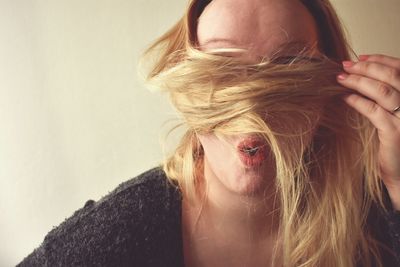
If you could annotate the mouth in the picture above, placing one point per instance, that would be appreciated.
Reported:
(252, 151)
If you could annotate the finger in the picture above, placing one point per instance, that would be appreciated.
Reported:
(382, 59)
(379, 117)
(376, 71)
(378, 91)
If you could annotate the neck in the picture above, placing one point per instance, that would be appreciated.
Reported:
(227, 216)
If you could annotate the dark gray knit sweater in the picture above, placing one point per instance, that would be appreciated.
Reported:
(139, 224)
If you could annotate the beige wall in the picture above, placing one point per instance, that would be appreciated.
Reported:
(75, 118)
(373, 25)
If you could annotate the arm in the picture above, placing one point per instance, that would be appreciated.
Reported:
(388, 229)
(393, 230)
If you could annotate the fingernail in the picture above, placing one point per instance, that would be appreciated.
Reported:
(347, 64)
(342, 76)
(363, 57)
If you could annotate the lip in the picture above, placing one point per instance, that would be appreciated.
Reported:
(257, 151)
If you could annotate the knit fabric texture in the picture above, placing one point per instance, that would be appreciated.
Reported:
(139, 224)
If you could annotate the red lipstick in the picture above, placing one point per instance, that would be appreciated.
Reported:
(252, 151)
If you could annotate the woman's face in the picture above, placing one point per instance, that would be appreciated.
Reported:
(241, 164)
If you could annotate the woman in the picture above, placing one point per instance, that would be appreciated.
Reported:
(288, 160)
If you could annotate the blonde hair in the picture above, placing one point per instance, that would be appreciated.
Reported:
(326, 185)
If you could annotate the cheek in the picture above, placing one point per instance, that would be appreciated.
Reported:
(219, 154)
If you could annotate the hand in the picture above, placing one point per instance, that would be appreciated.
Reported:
(376, 80)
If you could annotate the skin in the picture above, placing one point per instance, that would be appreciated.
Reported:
(237, 226)
(375, 80)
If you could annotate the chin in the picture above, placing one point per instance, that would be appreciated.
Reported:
(251, 182)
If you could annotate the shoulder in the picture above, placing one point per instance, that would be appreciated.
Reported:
(118, 229)
(151, 189)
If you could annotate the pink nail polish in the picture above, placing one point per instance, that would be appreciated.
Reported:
(342, 76)
(363, 57)
(347, 64)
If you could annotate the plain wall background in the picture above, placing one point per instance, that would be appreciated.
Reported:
(75, 118)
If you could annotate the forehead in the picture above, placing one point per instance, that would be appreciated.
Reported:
(261, 26)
